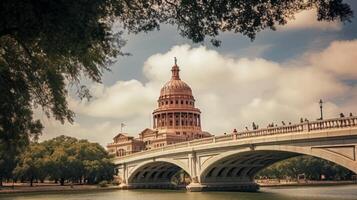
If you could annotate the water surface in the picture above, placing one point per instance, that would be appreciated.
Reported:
(283, 193)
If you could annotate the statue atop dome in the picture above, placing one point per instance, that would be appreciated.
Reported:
(175, 71)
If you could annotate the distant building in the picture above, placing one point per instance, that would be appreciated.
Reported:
(175, 120)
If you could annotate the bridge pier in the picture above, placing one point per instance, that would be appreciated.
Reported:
(159, 185)
(124, 186)
(239, 187)
(195, 187)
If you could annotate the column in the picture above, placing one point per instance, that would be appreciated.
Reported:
(124, 177)
(166, 119)
(172, 118)
(154, 121)
(195, 185)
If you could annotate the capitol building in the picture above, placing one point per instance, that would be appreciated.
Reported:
(176, 119)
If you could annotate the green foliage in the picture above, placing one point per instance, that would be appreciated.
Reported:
(65, 159)
(312, 167)
(197, 20)
(47, 44)
(32, 164)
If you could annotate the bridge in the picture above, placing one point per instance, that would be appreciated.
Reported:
(230, 162)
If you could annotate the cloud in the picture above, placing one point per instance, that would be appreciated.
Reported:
(124, 99)
(307, 19)
(339, 58)
(231, 92)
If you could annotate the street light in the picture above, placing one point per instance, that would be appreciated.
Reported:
(321, 109)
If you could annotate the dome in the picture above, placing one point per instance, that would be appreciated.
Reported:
(175, 86)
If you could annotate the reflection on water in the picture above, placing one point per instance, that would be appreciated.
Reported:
(284, 193)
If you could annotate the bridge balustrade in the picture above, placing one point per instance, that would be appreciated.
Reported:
(333, 123)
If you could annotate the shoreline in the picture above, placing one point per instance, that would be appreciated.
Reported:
(315, 183)
(8, 190)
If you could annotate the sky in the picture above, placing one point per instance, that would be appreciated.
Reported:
(280, 76)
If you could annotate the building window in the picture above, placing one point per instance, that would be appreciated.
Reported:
(186, 102)
(170, 122)
(177, 133)
(167, 102)
(171, 102)
(181, 101)
(176, 101)
(184, 133)
(177, 122)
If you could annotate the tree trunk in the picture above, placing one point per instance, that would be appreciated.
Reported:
(62, 181)
(0, 181)
(31, 182)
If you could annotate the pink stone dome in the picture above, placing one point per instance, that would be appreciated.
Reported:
(175, 86)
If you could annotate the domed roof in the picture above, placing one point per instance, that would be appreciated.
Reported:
(175, 86)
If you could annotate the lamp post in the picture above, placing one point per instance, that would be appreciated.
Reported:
(320, 102)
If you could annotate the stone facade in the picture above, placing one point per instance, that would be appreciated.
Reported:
(124, 145)
(175, 120)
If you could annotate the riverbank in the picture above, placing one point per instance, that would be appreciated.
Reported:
(309, 183)
(9, 189)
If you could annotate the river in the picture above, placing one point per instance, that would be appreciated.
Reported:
(284, 193)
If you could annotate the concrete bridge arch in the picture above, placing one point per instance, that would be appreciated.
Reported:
(241, 165)
(154, 173)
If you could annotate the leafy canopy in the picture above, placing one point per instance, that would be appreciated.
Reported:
(65, 159)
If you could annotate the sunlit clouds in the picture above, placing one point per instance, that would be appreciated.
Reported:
(232, 92)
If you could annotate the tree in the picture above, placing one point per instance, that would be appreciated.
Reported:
(78, 160)
(46, 44)
(32, 164)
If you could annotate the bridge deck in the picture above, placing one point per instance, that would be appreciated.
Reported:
(315, 126)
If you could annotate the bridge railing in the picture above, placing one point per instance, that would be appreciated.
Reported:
(333, 123)
(336, 123)
(273, 130)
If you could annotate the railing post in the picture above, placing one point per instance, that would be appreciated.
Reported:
(306, 127)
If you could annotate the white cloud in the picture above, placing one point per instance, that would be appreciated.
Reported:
(307, 19)
(339, 58)
(231, 92)
(124, 99)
